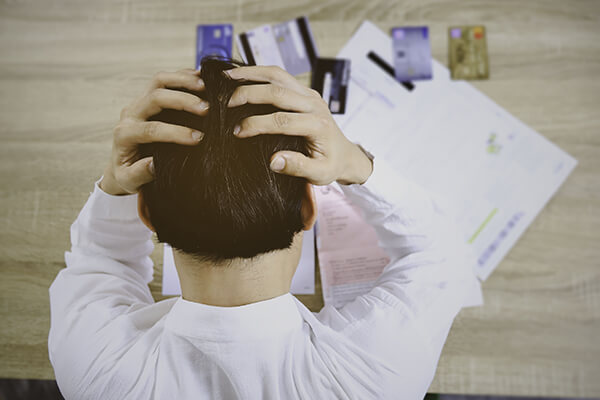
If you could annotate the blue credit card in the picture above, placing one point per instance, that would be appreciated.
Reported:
(412, 53)
(213, 40)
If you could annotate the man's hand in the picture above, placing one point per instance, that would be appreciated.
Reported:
(126, 172)
(332, 156)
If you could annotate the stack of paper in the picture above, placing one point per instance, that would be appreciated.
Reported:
(349, 256)
(445, 135)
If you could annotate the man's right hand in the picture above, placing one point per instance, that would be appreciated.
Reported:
(126, 172)
(332, 156)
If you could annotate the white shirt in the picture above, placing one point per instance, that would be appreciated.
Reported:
(110, 340)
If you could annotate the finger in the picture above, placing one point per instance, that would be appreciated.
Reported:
(268, 74)
(156, 131)
(297, 164)
(286, 123)
(161, 98)
(190, 71)
(184, 79)
(279, 96)
(135, 175)
(261, 73)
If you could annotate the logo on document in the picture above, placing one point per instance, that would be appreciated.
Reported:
(492, 145)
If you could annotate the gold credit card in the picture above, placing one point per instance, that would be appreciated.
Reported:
(467, 52)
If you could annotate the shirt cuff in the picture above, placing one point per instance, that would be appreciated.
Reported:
(384, 186)
(108, 206)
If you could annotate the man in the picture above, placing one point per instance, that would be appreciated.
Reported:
(237, 332)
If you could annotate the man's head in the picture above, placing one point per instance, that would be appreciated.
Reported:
(219, 200)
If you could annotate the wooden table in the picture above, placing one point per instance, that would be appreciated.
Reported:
(68, 67)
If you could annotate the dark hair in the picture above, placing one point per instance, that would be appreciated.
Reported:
(219, 200)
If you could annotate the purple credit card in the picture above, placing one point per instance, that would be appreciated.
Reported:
(213, 40)
(412, 53)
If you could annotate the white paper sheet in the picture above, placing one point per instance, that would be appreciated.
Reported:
(445, 135)
(350, 259)
(303, 281)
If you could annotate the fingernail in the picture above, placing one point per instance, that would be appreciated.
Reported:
(236, 130)
(197, 135)
(201, 83)
(202, 106)
(278, 163)
(151, 167)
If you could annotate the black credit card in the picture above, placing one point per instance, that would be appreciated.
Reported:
(330, 77)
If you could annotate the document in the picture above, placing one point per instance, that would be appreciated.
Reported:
(303, 281)
(350, 259)
(495, 172)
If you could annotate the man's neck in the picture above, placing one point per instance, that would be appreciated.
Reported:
(242, 281)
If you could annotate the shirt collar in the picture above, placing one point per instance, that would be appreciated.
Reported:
(257, 320)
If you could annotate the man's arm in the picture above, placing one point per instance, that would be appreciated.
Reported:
(107, 276)
(100, 303)
(405, 319)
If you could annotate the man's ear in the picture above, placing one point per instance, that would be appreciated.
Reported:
(309, 207)
(143, 212)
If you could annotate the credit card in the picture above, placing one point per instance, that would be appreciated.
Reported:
(258, 47)
(296, 45)
(213, 40)
(412, 53)
(467, 52)
(289, 45)
(330, 77)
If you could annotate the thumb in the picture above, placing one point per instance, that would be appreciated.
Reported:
(297, 164)
(137, 174)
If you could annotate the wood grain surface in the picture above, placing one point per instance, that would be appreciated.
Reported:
(67, 68)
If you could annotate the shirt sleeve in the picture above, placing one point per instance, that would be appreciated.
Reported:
(404, 320)
(93, 301)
